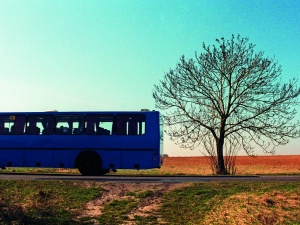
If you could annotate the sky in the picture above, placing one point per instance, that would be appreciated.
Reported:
(107, 55)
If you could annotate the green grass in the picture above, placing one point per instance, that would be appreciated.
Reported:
(163, 171)
(193, 205)
(42, 202)
(143, 194)
(60, 202)
(39, 170)
(146, 172)
(116, 211)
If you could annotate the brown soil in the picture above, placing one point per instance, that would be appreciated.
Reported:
(290, 160)
(120, 191)
(245, 165)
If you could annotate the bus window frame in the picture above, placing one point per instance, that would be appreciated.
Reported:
(128, 129)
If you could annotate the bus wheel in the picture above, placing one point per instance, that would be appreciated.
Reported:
(89, 164)
(104, 171)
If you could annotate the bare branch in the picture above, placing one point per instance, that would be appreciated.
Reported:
(227, 98)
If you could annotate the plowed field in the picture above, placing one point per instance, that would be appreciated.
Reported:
(245, 165)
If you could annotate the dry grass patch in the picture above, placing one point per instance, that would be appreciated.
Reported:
(234, 203)
(269, 208)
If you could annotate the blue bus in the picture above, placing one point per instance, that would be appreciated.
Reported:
(93, 142)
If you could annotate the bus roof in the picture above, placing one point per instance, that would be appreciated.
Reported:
(81, 112)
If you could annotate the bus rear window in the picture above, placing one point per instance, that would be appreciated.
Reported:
(130, 124)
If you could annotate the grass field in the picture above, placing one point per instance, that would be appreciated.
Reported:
(245, 165)
(68, 202)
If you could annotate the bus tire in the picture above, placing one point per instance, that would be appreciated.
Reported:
(89, 163)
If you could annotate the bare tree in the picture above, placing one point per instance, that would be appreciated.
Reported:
(228, 98)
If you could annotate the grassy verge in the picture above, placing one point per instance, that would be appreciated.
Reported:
(172, 170)
(234, 203)
(39, 170)
(43, 202)
(60, 202)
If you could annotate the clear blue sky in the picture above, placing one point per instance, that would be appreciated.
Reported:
(107, 55)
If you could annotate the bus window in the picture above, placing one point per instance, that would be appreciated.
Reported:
(46, 123)
(130, 124)
(31, 125)
(19, 124)
(4, 126)
(69, 124)
(76, 124)
(99, 124)
(13, 124)
(40, 124)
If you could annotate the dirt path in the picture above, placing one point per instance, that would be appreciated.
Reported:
(147, 205)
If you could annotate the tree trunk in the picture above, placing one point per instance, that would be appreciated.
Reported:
(221, 169)
(221, 164)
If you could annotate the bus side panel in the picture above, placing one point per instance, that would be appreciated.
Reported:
(110, 159)
(136, 159)
(61, 159)
(12, 158)
(38, 158)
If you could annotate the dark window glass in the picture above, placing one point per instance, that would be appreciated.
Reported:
(4, 125)
(12, 124)
(99, 124)
(130, 124)
(69, 124)
(40, 124)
